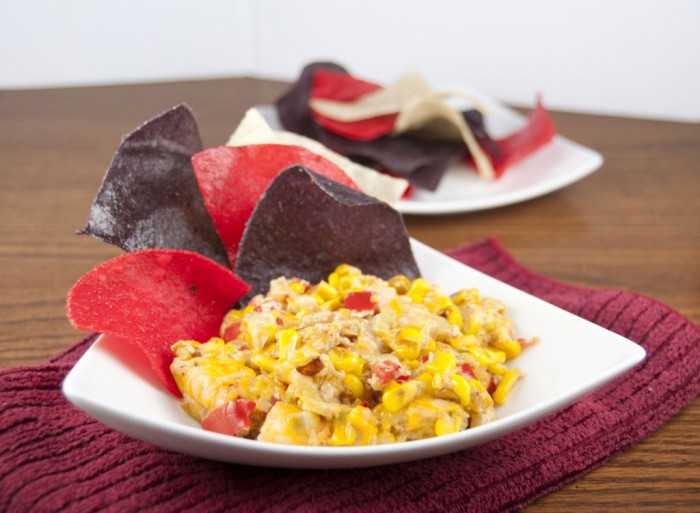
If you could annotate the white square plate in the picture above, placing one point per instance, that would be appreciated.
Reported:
(573, 357)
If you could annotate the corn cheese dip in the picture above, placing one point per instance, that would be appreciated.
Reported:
(352, 360)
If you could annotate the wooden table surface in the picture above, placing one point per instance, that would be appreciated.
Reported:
(633, 224)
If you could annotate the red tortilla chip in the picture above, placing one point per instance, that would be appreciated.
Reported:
(232, 179)
(540, 130)
(154, 298)
(339, 86)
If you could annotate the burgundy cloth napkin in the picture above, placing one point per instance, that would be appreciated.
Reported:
(55, 458)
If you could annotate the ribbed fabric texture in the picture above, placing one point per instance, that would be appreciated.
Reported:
(55, 458)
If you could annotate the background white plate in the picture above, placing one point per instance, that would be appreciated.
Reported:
(556, 165)
(573, 357)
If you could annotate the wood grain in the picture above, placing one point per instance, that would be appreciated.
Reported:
(634, 224)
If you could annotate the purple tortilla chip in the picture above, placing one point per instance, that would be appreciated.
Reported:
(305, 225)
(149, 197)
(420, 161)
(475, 120)
(293, 105)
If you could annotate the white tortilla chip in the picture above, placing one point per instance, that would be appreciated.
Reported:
(389, 100)
(253, 129)
(418, 108)
(426, 112)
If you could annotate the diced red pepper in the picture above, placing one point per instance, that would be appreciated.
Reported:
(385, 371)
(231, 332)
(331, 85)
(492, 386)
(466, 369)
(232, 418)
(360, 301)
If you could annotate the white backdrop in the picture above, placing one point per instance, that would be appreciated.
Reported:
(620, 57)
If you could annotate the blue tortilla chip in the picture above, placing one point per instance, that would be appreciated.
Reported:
(149, 197)
(305, 225)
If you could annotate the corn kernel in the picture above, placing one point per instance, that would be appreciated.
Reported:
(414, 417)
(345, 283)
(474, 323)
(398, 397)
(384, 417)
(460, 297)
(263, 361)
(354, 384)
(481, 399)
(461, 388)
(332, 305)
(481, 356)
(440, 305)
(401, 284)
(233, 316)
(463, 343)
(346, 269)
(360, 418)
(505, 386)
(397, 306)
(496, 355)
(333, 279)
(391, 385)
(446, 424)
(287, 340)
(441, 362)
(497, 369)
(326, 291)
(343, 434)
(427, 380)
(467, 296)
(454, 317)
(476, 384)
(430, 346)
(511, 348)
(412, 364)
(298, 287)
(220, 367)
(346, 361)
(419, 289)
(407, 343)
(299, 357)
